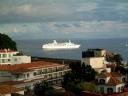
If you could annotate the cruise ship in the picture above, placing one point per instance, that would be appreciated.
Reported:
(56, 45)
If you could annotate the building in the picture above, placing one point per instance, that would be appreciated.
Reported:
(94, 62)
(110, 82)
(17, 70)
(13, 57)
(94, 53)
(28, 74)
(94, 57)
(7, 90)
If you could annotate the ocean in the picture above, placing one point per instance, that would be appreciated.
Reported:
(34, 47)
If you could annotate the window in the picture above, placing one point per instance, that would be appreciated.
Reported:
(4, 55)
(15, 59)
(50, 76)
(3, 61)
(118, 89)
(44, 71)
(17, 75)
(39, 72)
(9, 55)
(27, 74)
(45, 76)
(102, 81)
(34, 73)
(102, 90)
(50, 69)
(123, 79)
(109, 90)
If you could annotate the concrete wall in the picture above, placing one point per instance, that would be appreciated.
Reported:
(95, 62)
(7, 57)
(115, 88)
(20, 59)
(21, 92)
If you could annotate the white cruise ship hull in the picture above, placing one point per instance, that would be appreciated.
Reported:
(65, 45)
(60, 47)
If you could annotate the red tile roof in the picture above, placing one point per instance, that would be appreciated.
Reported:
(5, 89)
(113, 74)
(113, 81)
(103, 75)
(11, 83)
(28, 66)
(6, 50)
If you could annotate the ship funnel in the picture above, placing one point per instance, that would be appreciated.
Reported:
(54, 41)
(69, 41)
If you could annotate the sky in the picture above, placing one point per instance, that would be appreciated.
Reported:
(45, 19)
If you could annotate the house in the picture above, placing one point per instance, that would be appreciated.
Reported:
(28, 74)
(94, 57)
(7, 90)
(17, 70)
(8, 56)
(110, 82)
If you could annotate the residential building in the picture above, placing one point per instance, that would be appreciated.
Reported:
(28, 74)
(94, 53)
(94, 57)
(8, 56)
(110, 82)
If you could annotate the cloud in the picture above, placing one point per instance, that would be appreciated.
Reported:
(62, 10)
(25, 9)
(86, 7)
(20, 28)
(84, 26)
(122, 7)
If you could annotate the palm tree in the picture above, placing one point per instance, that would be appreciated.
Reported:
(118, 59)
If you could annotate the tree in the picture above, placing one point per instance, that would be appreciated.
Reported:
(78, 87)
(115, 58)
(7, 43)
(74, 80)
(118, 59)
(82, 72)
(42, 89)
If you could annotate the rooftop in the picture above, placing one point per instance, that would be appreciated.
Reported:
(5, 89)
(113, 81)
(28, 66)
(6, 50)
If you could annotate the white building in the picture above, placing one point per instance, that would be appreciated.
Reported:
(13, 57)
(94, 57)
(109, 82)
(26, 75)
(94, 62)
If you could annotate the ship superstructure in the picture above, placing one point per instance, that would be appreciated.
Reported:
(56, 45)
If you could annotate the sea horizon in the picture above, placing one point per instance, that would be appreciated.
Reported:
(33, 47)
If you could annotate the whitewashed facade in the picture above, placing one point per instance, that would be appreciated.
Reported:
(12, 57)
(109, 82)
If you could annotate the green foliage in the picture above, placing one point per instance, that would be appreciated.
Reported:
(82, 72)
(115, 58)
(76, 80)
(121, 69)
(77, 87)
(6, 42)
(42, 89)
(118, 59)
